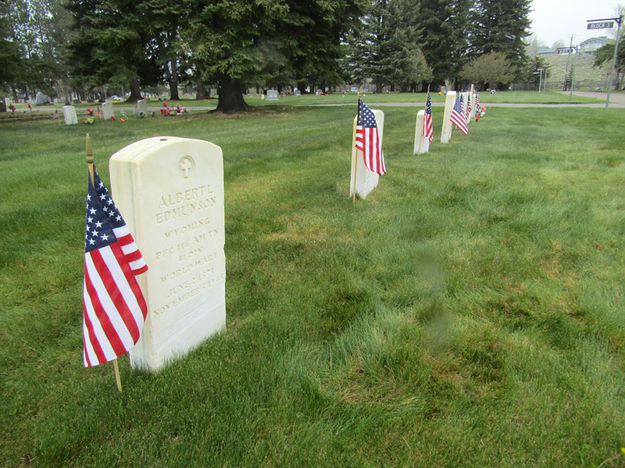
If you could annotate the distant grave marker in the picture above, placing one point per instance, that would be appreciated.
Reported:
(107, 111)
(171, 193)
(142, 106)
(42, 99)
(272, 95)
(69, 112)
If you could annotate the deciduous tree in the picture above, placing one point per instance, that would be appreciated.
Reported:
(489, 70)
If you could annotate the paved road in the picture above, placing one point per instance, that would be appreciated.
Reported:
(487, 104)
(616, 101)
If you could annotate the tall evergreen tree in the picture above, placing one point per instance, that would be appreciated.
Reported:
(501, 26)
(445, 41)
(111, 42)
(238, 43)
(164, 20)
(386, 46)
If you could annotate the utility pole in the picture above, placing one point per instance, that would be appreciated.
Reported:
(568, 59)
(573, 71)
(608, 23)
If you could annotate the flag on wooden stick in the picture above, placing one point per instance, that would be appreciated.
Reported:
(368, 140)
(428, 127)
(113, 304)
(458, 118)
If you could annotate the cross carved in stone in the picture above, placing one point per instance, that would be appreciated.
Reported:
(185, 166)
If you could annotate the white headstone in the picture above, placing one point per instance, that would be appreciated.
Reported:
(142, 106)
(421, 142)
(41, 99)
(69, 112)
(171, 193)
(272, 95)
(450, 100)
(297, 92)
(361, 177)
(107, 110)
(7, 102)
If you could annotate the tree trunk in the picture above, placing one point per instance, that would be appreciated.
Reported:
(135, 91)
(230, 95)
(378, 87)
(202, 92)
(3, 107)
(172, 78)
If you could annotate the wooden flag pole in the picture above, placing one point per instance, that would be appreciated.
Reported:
(89, 159)
(353, 145)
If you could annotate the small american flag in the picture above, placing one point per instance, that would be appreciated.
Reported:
(457, 117)
(477, 104)
(428, 127)
(468, 108)
(113, 305)
(368, 140)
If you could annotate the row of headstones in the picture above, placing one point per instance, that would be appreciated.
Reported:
(69, 112)
(272, 94)
(363, 181)
(171, 193)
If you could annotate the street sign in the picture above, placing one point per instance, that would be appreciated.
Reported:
(603, 25)
(565, 50)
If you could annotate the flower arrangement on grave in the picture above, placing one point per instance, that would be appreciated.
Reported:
(12, 107)
(165, 110)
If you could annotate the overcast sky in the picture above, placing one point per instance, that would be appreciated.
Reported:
(554, 20)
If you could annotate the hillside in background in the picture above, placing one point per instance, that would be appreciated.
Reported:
(586, 77)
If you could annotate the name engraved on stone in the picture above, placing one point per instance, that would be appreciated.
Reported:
(179, 204)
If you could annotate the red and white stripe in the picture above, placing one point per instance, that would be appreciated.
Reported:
(368, 141)
(428, 128)
(113, 305)
(459, 121)
(131, 251)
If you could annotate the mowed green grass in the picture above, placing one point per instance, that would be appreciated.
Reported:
(469, 312)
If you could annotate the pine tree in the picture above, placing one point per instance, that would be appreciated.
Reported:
(501, 26)
(240, 43)
(446, 34)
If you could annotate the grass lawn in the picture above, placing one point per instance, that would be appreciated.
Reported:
(469, 312)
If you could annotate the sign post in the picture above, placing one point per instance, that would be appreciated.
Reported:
(608, 23)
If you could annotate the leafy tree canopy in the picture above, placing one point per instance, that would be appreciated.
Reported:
(488, 71)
